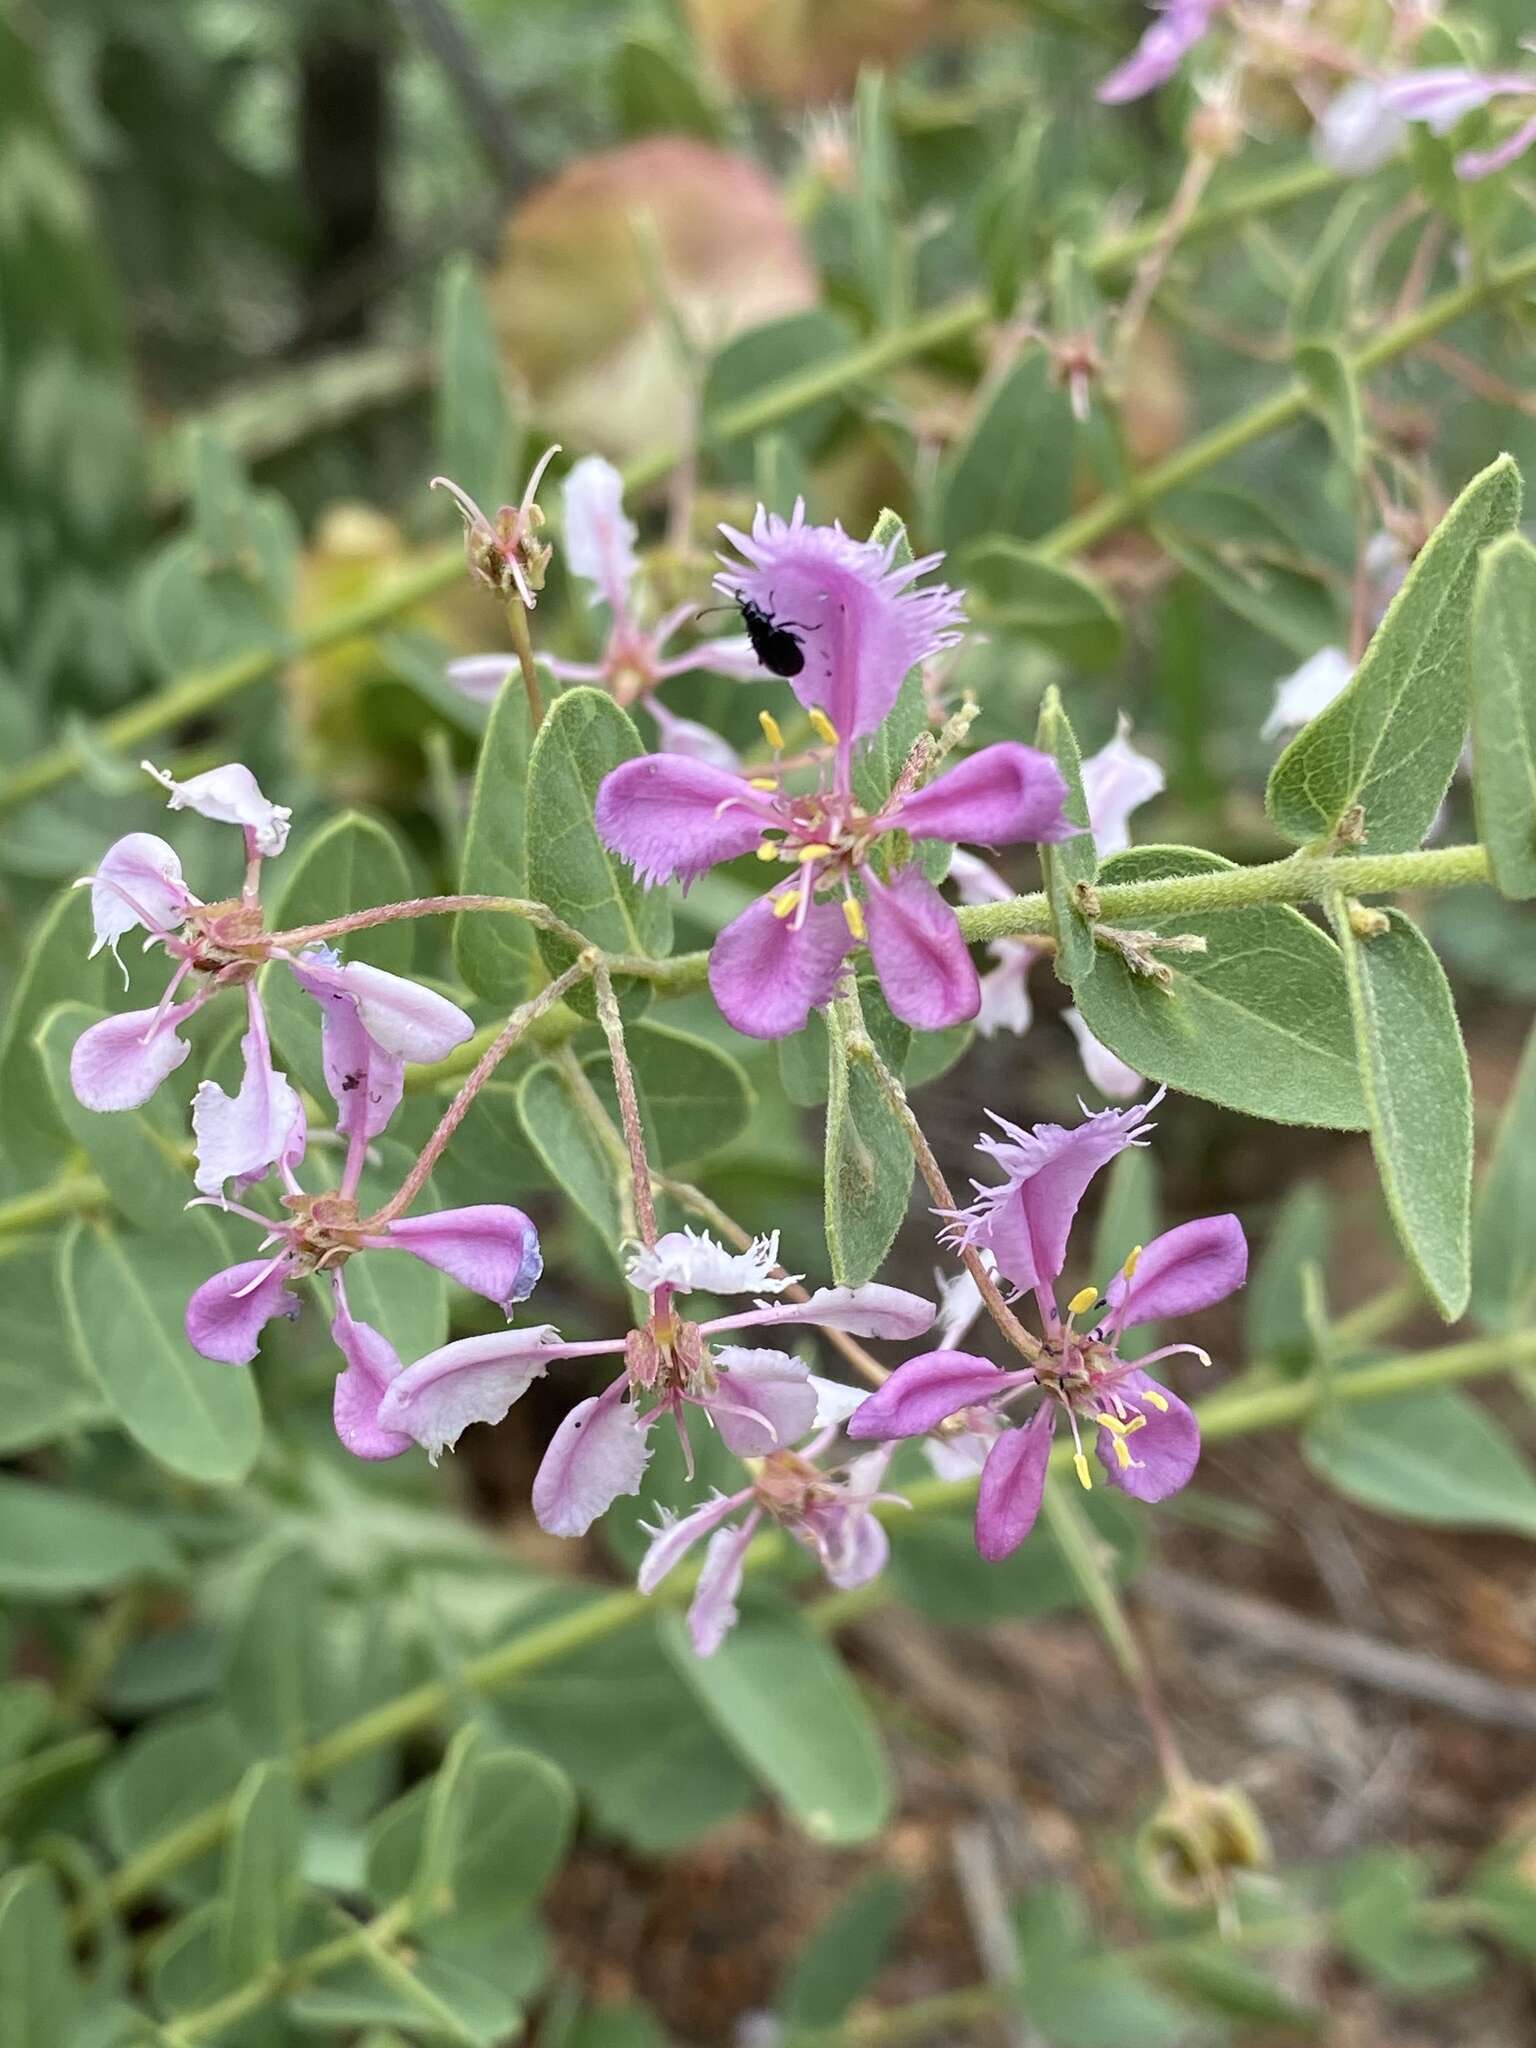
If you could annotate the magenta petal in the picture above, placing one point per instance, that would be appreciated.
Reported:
(868, 1311)
(475, 1379)
(1161, 50)
(227, 1314)
(763, 1402)
(599, 1451)
(1013, 1485)
(677, 1535)
(920, 1394)
(1164, 1451)
(1182, 1271)
(915, 941)
(492, 1248)
(997, 797)
(768, 973)
(120, 1062)
(712, 1613)
(372, 1363)
(672, 817)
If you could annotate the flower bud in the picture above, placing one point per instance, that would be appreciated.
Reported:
(1195, 1842)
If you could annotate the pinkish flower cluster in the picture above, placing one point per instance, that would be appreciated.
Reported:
(1180, 25)
(600, 549)
(855, 622)
(1147, 1440)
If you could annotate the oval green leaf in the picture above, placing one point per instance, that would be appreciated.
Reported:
(1504, 712)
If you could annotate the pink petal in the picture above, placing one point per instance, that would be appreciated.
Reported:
(1105, 1069)
(695, 742)
(1025, 1220)
(764, 1401)
(851, 1546)
(138, 883)
(372, 1364)
(1441, 95)
(230, 796)
(1005, 999)
(677, 1536)
(672, 818)
(474, 1380)
(599, 1451)
(768, 973)
(1183, 1270)
(859, 623)
(926, 973)
(242, 1137)
(366, 1081)
(1312, 688)
(1165, 1450)
(868, 1311)
(492, 1248)
(479, 677)
(734, 657)
(120, 1062)
(921, 1394)
(1160, 52)
(1117, 780)
(412, 1022)
(1013, 1485)
(996, 797)
(227, 1314)
(599, 535)
(712, 1614)
(1482, 163)
(1357, 132)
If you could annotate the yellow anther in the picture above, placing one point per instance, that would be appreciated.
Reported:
(853, 917)
(1111, 1422)
(1085, 1477)
(768, 849)
(1123, 1456)
(761, 782)
(1159, 1401)
(787, 904)
(823, 728)
(771, 730)
(1129, 1268)
(815, 851)
(1082, 1301)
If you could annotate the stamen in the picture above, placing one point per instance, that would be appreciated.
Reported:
(1123, 1456)
(1080, 1466)
(771, 732)
(1159, 1401)
(824, 729)
(1084, 1299)
(853, 917)
(815, 851)
(785, 905)
(1132, 1262)
(768, 850)
(762, 782)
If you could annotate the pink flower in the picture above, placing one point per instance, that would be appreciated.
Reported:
(858, 627)
(600, 548)
(120, 1062)
(1180, 25)
(761, 1400)
(1147, 1439)
(827, 1509)
(1443, 96)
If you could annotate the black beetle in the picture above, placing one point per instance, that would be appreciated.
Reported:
(775, 646)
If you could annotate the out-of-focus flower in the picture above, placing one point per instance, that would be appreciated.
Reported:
(1365, 124)
(1299, 697)
(1357, 132)
(1147, 1440)
(1167, 42)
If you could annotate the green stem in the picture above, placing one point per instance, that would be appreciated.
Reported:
(1238, 1411)
(211, 2022)
(190, 696)
(72, 1194)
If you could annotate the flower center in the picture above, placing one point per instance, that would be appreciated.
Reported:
(324, 1231)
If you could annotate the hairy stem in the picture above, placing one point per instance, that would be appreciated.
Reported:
(522, 642)
(629, 1105)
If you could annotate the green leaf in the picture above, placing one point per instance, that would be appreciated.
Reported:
(694, 1098)
(1073, 864)
(584, 737)
(868, 1166)
(494, 954)
(845, 1954)
(1212, 1975)
(478, 440)
(1504, 712)
(781, 1697)
(655, 94)
(195, 610)
(1007, 217)
(518, 1828)
(44, 1392)
(1433, 1457)
(1418, 1091)
(490, 1153)
(1330, 378)
(753, 362)
(273, 1679)
(1249, 561)
(56, 1544)
(561, 1133)
(125, 1300)
(349, 864)
(936, 1569)
(879, 248)
(1321, 304)
(1010, 589)
(142, 1154)
(1012, 474)
(404, 1299)
(413, 1844)
(39, 1994)
(1380, 1923)
(33, 1140)
(261, 1869)
(1274, 1317)
(1504, 1221)
(1389, 743)
(1260, 1022)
